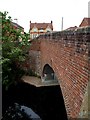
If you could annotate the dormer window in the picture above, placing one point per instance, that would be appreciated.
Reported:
(48, 29)
(41, 30)
(35, 29)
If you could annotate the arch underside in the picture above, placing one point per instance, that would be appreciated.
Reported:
(48, 74)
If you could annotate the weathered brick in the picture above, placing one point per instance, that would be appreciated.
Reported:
(67, 53)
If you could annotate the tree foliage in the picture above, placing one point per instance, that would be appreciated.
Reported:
(14, 50)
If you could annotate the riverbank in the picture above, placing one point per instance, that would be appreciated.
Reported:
(46, 101)
(38, 82)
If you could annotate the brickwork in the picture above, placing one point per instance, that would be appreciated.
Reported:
(35, 61)
(35, 45)
(68, 53)
(35, 56)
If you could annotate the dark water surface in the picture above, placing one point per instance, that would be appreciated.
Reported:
(47, 102)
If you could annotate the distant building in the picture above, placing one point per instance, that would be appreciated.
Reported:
(17, 26)
(72, 28)
(37, 29)
(85, 22)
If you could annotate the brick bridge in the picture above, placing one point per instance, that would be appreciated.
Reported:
(64, 56)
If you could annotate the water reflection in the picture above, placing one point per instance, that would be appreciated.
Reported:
(46, 101)
(20, 112)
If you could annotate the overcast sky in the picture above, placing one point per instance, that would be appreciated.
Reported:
(72, 11)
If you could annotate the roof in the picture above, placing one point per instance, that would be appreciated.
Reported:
(85, 22)
(41, 25)
(72, 28)
(16, 25)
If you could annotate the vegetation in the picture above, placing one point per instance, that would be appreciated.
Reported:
(14, 51)
(32, 73)
(15, 112)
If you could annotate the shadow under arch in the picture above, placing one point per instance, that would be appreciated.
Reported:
(55, 93)
(48, 74)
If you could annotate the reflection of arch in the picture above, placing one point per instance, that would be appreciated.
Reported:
(48, 74)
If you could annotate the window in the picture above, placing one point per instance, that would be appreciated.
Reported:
(41, 30)
(35, 29)
(48, 30)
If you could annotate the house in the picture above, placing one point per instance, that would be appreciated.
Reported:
(17, 26)
(72, 28)
(85, 22)
(37, 29)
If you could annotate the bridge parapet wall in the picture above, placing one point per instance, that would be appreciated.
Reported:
(68, 53)
(79, 38)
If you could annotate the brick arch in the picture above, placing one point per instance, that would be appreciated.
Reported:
(69, 64)
(52, 68)
(67, 53)
(61, 84)
(48, 74)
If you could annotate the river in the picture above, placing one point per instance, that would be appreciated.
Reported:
(46, 101)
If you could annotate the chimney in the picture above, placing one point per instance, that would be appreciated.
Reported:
(51, 22)
(62, 24)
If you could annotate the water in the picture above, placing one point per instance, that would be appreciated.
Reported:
(20, 112)
(46, 102)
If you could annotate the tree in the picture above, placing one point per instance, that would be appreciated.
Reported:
(14, 51)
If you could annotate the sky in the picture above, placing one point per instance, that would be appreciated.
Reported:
(72, 11)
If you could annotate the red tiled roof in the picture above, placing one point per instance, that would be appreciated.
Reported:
(72, 28)
(85, 22)
(17, 25)
(41, 25)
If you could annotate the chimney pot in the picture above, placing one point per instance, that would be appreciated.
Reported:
(51, 21)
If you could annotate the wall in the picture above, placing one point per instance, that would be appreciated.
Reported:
(35, 57)
(68, 53)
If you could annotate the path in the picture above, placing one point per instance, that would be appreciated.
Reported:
(37, 81)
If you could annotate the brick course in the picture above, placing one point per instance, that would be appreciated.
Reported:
(68, 54)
